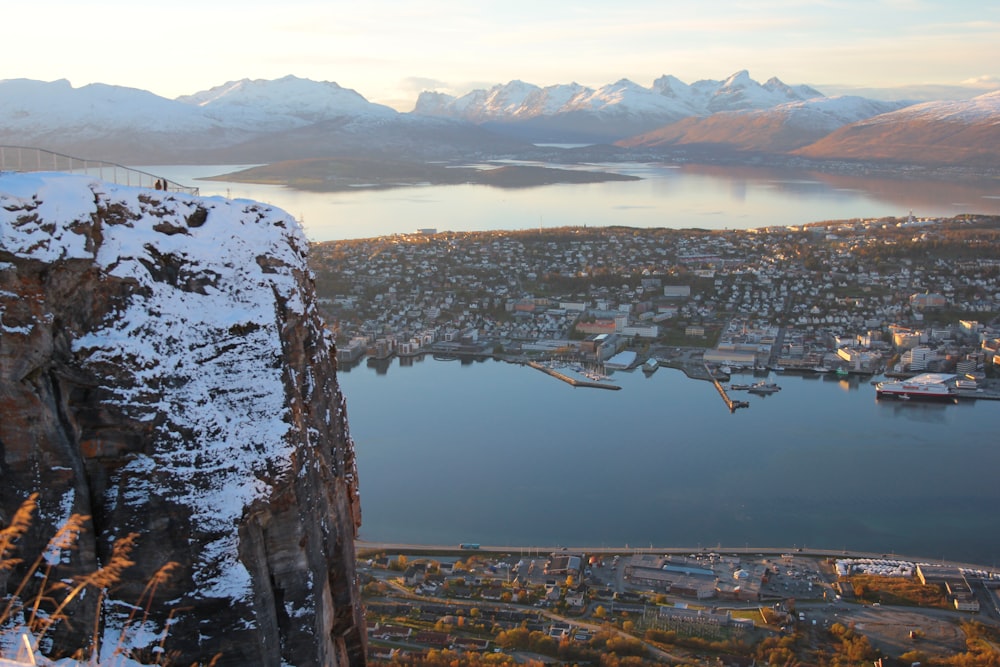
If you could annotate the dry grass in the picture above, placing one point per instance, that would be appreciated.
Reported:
(33, 618)
(898, 591)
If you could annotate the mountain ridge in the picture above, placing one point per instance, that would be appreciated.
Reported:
(260, 121)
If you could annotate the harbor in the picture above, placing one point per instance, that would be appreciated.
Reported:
(571, 380)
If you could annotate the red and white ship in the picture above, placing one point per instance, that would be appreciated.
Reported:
(927, 386)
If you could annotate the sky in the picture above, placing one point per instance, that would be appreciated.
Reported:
(389, 50)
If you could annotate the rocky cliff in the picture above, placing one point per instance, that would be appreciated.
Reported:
(164, 372)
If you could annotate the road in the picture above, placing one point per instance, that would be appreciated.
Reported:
(362, 546)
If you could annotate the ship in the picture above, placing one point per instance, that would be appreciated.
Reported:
(761, 388)
(929, 386)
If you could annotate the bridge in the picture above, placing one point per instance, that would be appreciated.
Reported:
(28, 159)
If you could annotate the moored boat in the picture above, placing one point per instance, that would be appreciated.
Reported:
(763, 387)
(929, 386)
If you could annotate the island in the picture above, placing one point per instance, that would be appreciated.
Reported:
(336, 174)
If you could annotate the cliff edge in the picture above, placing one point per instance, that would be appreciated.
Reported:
(164, 372)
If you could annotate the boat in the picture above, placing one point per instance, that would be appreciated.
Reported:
(820, 369)
(739, 387)
(763, 387)
(843, 372)
(928, 386)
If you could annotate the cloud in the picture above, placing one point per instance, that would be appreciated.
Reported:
(421, 83)
(987, 81)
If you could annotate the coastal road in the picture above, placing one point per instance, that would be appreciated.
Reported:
(362, 546)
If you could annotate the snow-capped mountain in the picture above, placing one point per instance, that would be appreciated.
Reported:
(258, 121)
(248, 121)
(282, 103)
(945, 132)
(739, 92)
(616, 110)
(783, 127)
(982, 109)
(36, 108)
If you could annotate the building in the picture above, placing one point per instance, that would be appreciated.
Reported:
(564, 563)
(729, 355)
(927, 300)
(694, 330)
(641, 331)
(352, 351)
(676, 578)
(954, 581)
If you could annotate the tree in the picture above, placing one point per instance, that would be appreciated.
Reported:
(600, 612)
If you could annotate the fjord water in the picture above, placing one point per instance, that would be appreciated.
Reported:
(685, 196)
(502, 454)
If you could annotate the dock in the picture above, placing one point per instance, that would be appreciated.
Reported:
(730, 403)
(572, 380)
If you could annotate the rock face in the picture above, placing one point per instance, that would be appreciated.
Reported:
(163, 371)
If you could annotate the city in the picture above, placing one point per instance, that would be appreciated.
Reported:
(902, 296)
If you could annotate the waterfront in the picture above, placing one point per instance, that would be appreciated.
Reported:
(502, 454)
(709, 197)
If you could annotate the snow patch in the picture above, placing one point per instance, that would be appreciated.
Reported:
(196, 350)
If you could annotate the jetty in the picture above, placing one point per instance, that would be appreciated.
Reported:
(730, 403)
(568, 379)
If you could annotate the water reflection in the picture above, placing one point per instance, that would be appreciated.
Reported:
(686, 196)
(918, 411)
(664, 460)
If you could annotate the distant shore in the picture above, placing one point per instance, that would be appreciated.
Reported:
(341, 174)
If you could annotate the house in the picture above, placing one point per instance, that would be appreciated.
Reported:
(575, 599)
(414, 575)
(471, 644)
(432, 638)
(491, 592)
(394, 632)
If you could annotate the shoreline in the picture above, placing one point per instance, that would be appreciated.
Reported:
(363, 545)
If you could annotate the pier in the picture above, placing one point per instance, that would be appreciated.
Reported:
(571, 380)
(730, 403)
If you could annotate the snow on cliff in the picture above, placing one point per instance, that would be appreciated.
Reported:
(198, 335)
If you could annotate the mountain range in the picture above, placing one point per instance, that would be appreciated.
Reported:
(573, 112)
(266, 121)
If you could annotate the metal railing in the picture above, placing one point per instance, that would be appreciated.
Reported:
(24, 158)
